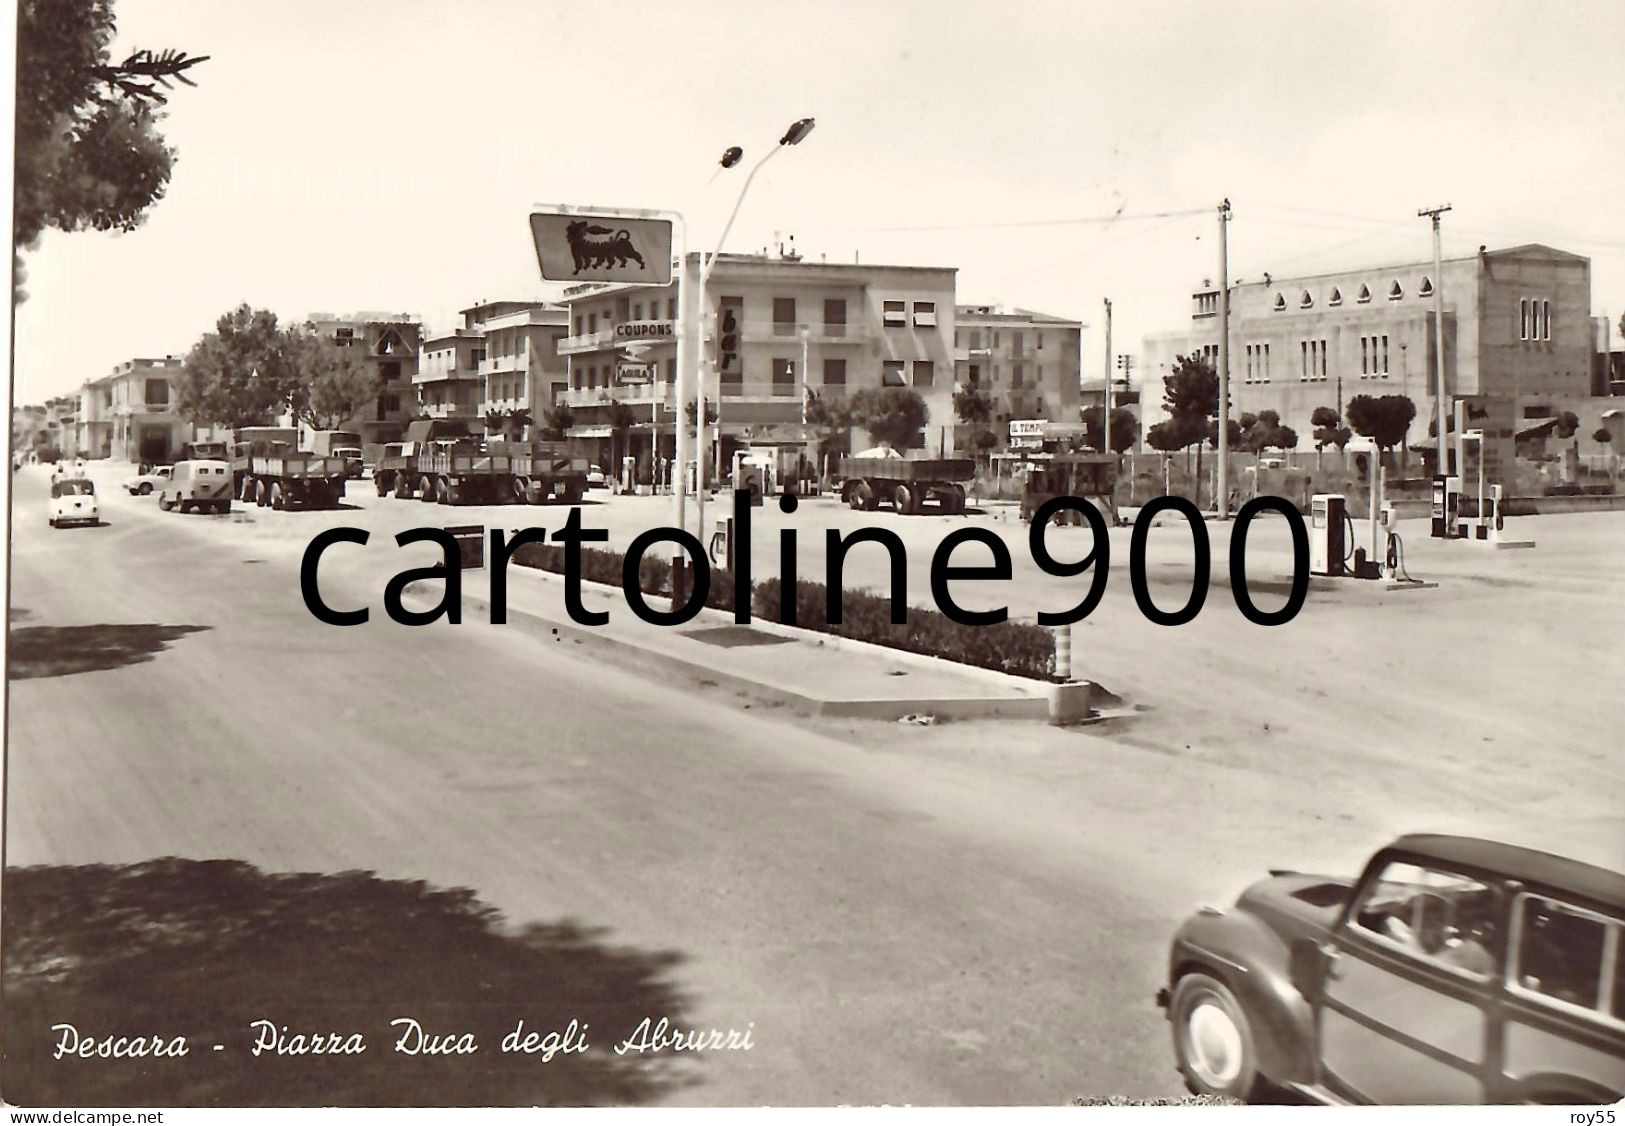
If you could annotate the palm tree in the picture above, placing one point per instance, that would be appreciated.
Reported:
(514, 423)
(620, 418)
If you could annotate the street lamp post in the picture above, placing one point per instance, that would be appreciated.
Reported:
(806, 383)
(792, 136)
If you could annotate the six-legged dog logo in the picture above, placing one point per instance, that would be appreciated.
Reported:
(591, 253)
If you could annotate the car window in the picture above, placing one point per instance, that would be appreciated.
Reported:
(1440, 917)
(1563, 954)
(73, 489)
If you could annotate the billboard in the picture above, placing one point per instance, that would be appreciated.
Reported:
(602, 248)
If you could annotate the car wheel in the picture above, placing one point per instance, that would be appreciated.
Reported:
(903, 499)
(279, 499)
(1213, 1039)
(426, 490)
(164, 503)
(382, 485)
(145, 489)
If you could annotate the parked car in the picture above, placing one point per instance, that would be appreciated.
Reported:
(596, 478)
(1453, 970)
(201, 485)
(73, 501)
(145, 483)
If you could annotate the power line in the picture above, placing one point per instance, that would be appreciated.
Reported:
(1117, 217)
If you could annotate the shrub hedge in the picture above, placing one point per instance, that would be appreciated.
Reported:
(1009, 647)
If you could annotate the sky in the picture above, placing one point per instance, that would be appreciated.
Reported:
(373, 155)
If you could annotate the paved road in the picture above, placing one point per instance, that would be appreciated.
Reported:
(896, 930)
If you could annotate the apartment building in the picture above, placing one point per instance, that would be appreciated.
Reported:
(820, 328)
(391, 342)
(1029, 365)
(129, 414)
(522, 371)
(1517, 326)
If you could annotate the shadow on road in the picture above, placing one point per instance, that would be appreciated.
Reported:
(46, 651)
(202, 949)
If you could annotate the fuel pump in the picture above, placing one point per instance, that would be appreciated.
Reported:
(1328, 546)
(1446, 507)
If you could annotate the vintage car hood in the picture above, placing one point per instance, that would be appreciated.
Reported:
(1295, 905)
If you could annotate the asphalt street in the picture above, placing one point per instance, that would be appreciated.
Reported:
(971, 913)
(894, 931)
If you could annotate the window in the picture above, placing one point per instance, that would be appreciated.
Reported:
(1280, 302)
(1545, 320)
(1313, 357)
(1017, 370)
(835, 373)
(1395, 292)
(637, 311)
(1568, 954)
(578, 324)
(1038, 341)
(925, 314)
(975, 374)
(1426, 288)
(784, 377)
(1373, 357)
(834, 316)
(1336, 298)
(1364, 294)
(1523, 318)
(784, 316)
(389, 403)
(1307, 301)
(924, 372)
(891, 373)
(388, 370)
(1207, 304)
(671, 309)
(158, 393)
(976, 338)
(592, 322)
(1433, 916)
(893, 313)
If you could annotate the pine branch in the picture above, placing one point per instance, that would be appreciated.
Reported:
(140, 75)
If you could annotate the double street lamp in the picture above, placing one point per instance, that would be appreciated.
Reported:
(794, 135)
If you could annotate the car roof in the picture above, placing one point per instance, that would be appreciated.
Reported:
(1527, 865)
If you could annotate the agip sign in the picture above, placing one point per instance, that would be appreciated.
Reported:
(573, 247)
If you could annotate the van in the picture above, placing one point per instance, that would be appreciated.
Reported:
(201, 485)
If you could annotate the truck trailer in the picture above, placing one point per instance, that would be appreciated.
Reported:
(275, 476)
(884, 476)
(441, 461)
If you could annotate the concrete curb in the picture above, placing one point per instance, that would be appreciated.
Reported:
(1031, 702)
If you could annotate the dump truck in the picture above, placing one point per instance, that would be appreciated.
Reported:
(544, 470)
(884, 476)
(440, 460)
(1091, 477)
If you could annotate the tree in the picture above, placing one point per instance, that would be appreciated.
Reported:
(1384, 420)
(711, 414)
(1602, 435)
(1568, 424)
(557, 420)
(1124, 428)
(239, 374)
(891, 415)
(1232, 434)
(1263, 431)
(514, 423)
(1190, 395)
(331, 384)
(620, 418)
(974, 409)
(1329, 430)
(828, 420)
(88, 153)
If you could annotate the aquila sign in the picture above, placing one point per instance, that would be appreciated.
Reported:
(574, 247)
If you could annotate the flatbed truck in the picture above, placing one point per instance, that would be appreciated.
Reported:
(907, 484)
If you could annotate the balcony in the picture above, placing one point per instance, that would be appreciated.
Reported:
(588, 342)
(629, 393)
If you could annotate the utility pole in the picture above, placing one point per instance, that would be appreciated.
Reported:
(1433, 213)
(1126, 363)
(1223, 499)
(1106, 372)
(806, 386)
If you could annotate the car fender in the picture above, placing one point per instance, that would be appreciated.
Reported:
(1252, 961)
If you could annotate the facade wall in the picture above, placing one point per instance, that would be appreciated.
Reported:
(447, 380)
(521, 368)
(1028, 364)
(1300, 343)
(831, 329)
(391, 343)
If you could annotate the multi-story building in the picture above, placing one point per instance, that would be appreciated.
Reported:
(448, 381)
(62, 424)
(522, 372)
(391, 342)
(130, 414)
(1028, 365)
(824, 328)
(1517, 326)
